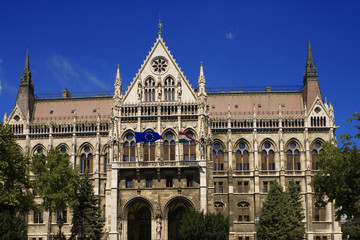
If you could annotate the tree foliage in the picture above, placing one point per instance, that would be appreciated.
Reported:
(353, 232)
(56, 181)
(200, 226)
(281, 215)
(338, 181)
(16, 198)
(87, 221)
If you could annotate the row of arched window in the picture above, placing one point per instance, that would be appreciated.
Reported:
(267, 156)
(85, 159)
(150, 90)
(149, 149)
(243, 211)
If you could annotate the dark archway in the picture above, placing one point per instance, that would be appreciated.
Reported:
(139, 221)
(177, 209)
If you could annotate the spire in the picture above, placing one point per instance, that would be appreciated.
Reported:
(201, 76)
(26, 78)
(118, 84)
(201, 80)
(160, 26)
(310, 68)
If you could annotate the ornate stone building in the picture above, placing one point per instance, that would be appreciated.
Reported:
(251, 138)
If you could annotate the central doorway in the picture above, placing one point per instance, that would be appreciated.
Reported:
(177, 209)
(139, 221)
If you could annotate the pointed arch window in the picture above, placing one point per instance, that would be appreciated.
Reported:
(319, 212)
(243, 212)
(316, 149)
(169, 147)
(218, 157)
(242, 158)
(86, 160)
(293, 157)
(129, 148)
(267, 157)
(189, 149)
(149, 151)
(169, 89)
(219, 207)
(149, 90)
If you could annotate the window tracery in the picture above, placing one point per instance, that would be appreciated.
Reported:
(267, 157)
(149, 90)
(86, 160)
(242, 157)
(218, 157)
(293, 157)
(169, 147)
(129, 148)
(316, 149)
(189, 148)
(169, 89)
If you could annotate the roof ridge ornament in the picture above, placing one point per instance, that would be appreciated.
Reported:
(160, 26)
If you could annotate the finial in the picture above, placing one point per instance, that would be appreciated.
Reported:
(160, 26)
(201, 69)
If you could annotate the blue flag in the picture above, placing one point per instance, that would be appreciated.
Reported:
(147, 136)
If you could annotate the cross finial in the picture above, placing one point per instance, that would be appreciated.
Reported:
(160, 26)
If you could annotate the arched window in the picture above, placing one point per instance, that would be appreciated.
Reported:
(169, 147)
(149, 90)
(319, 212)
(218, 157)
(40, 150)
(189, 149)
(169, 89)
(316, 149)
(267, 157)
(293, 157)
(219, 207)
(149, 151)
(86, 160)
(129, 148)
(242, 158)
(243, 212)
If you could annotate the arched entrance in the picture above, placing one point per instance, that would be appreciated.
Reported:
(139, 221)
(177, 208)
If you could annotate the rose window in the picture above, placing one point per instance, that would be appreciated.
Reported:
(159, 65)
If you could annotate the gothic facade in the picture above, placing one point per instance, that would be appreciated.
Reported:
(250, 139)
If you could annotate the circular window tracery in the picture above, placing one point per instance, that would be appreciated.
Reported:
(159, 65)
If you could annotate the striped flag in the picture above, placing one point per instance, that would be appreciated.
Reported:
(183, 138)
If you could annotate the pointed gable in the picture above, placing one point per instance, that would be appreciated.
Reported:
(160, 72)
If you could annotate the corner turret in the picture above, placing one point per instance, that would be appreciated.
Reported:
(311, 88)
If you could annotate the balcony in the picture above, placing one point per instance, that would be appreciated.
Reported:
(159, 164)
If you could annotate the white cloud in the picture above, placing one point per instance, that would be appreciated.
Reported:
(70, 73)
(229, 35)
(1, 60)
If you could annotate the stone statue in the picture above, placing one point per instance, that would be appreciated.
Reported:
(158, 228)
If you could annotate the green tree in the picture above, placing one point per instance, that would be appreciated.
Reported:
(280, 215)
(295, 200)
(338, 181)
(199, 226)
(16, 198)
(87, 221)
(56, 182)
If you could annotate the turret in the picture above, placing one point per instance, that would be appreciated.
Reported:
(311, 88)
(118, 87)
(201, 82)
(25, 97)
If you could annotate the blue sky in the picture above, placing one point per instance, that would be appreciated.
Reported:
(78, 44)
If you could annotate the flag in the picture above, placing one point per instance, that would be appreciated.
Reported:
(147, 136)
(183, 137)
